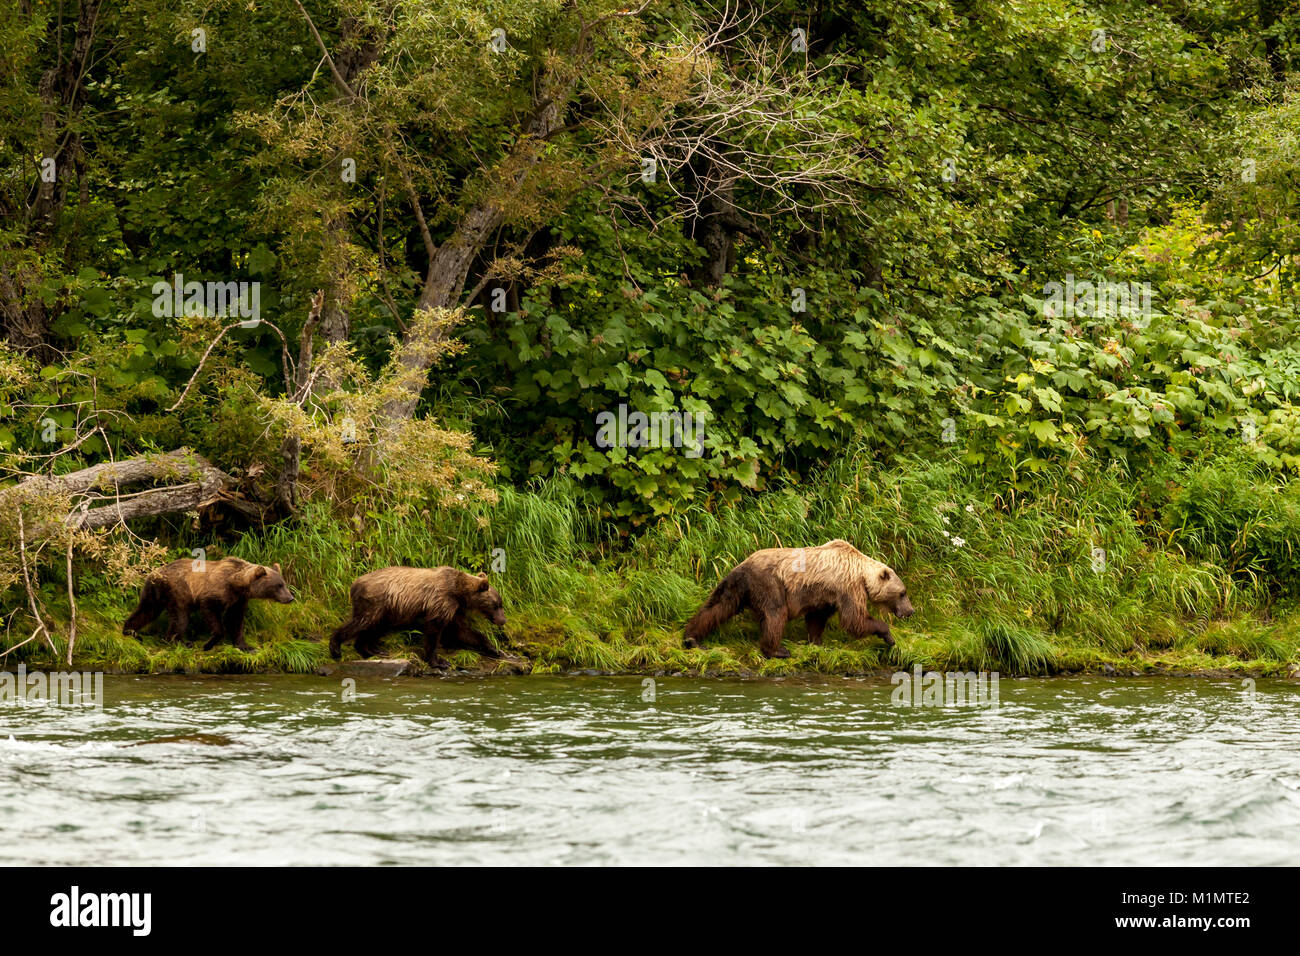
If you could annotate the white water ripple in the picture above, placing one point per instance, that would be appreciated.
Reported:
(581, 770)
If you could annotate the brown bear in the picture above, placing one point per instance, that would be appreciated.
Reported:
(780, 584)
(435, 600)
(220, 590)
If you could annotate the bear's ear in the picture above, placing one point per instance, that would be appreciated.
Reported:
(277, 567)
(884, 574)
(482, 582)
(260, 572)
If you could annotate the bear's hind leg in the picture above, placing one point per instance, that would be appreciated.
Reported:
(727, 599)
(178, 621)
(357, 628)
(342, 634)
(772, 627)
(141, 618)
(151, 605)
(368, 637)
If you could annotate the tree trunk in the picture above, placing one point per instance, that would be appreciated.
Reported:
(62, 91)
(450, 263)
(286, 487)
(716, 226)
(1269, 12)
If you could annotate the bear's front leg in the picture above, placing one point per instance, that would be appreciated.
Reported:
(234, 625)
(473, 639)
(432, 639)
(857, 619)
(212, 615)
(879, 627)
(816, 621)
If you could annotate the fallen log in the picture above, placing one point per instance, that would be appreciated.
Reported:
(201, 483)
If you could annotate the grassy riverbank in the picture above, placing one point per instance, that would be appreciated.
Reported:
(1187, 571)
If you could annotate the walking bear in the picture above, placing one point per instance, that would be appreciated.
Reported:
(435, 600)
(220, 590)
(779, 584)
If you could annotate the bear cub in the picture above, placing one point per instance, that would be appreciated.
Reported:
(219, 590)
(435, 600)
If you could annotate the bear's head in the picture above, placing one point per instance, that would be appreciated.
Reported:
(266, 583)
(889, 590)
(486, 600)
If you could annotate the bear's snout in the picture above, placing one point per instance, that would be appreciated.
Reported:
(284, 596)
(904, 608)
(499, 618)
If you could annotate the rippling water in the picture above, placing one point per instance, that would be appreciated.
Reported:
(582, 770)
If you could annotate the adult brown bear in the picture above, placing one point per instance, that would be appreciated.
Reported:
(220, 590)
(780, 584)
(435, 600)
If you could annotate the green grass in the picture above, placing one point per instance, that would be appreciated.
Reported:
(1175, 589)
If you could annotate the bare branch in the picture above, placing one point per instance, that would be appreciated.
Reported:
(27, 584)
(339, 81)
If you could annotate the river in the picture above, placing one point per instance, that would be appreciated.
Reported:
(591, 770)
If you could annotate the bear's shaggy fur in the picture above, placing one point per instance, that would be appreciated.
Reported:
(780, 584)
(435, 600)
(220, 591)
